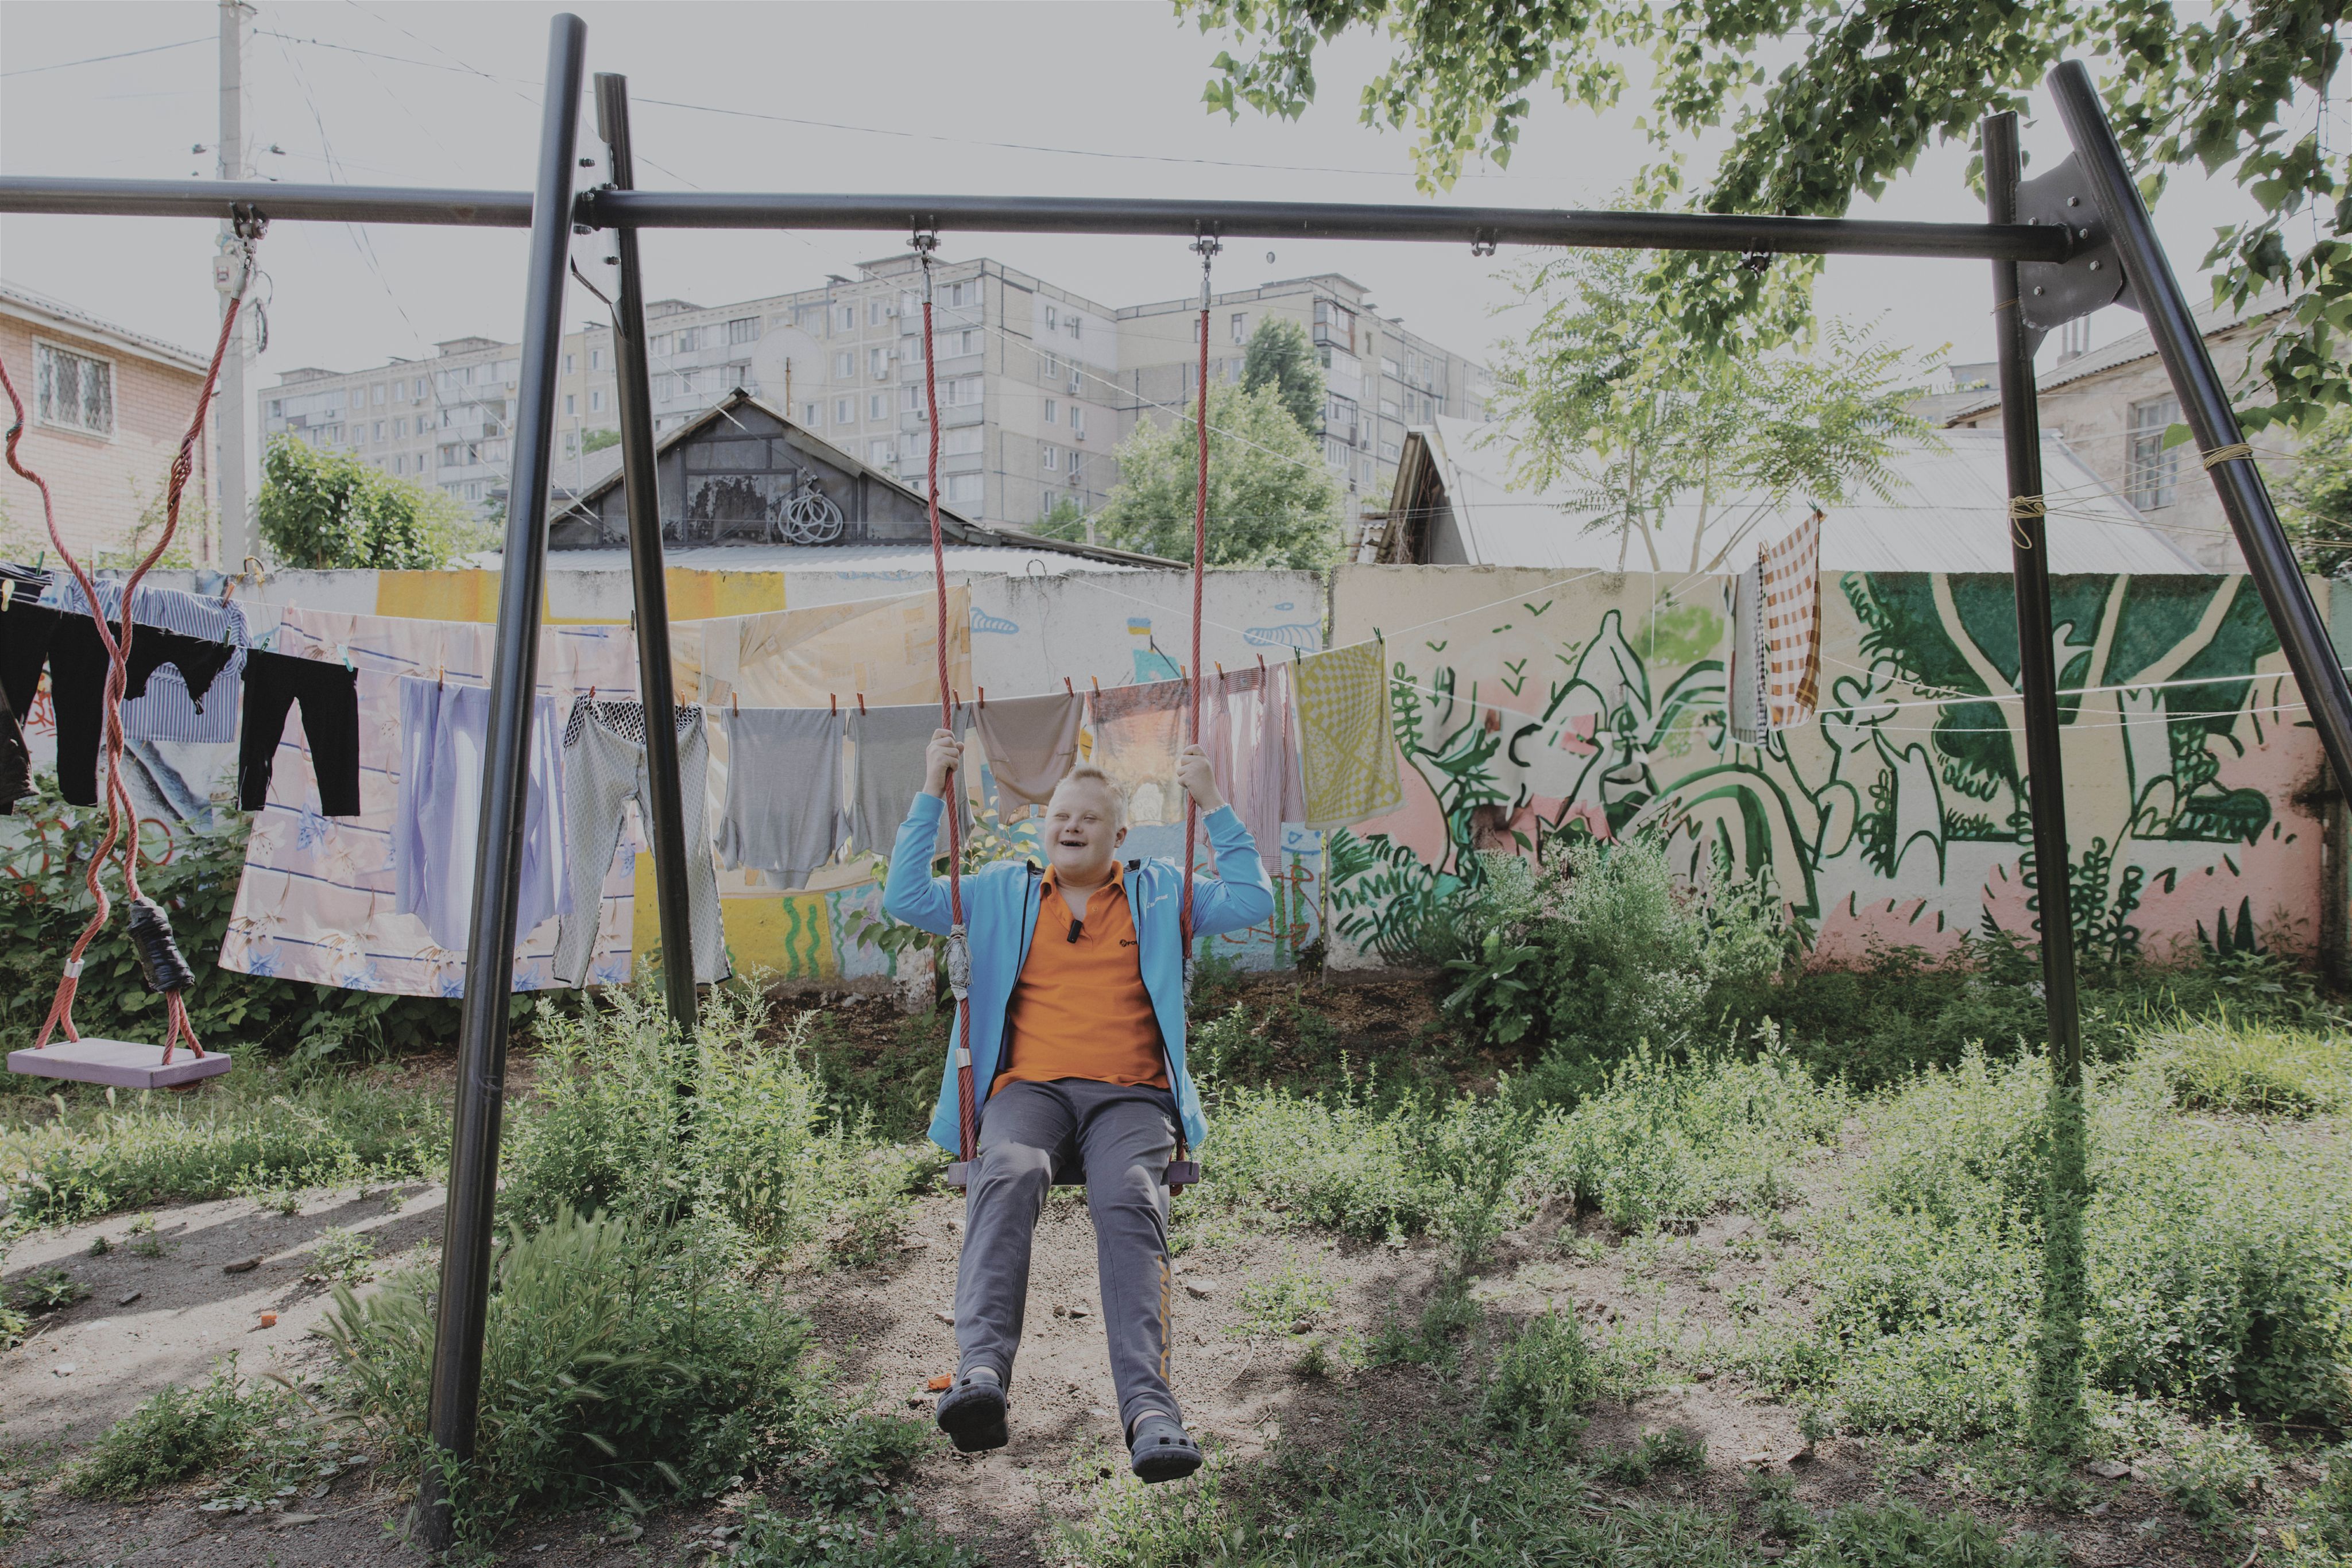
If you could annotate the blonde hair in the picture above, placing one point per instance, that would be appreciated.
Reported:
(1088, 773)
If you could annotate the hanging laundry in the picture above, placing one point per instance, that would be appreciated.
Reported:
(1347, 744)
(783, 816)
(1745, 674)
(25, 630)
(171, 706)
(1139, 732)
(445, 731)
(79, 669)
(1246, 725)
(886, 772)
(326, 690)
(319, 897)
(887, 650)
(1792, 622)
(1031, 743)
(604, 771)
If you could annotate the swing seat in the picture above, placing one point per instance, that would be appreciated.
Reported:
(118, 1063)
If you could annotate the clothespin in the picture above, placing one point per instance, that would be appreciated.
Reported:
(592, 693)
(344, 653)
(1097, 683)
(984, 695)
(1221, 668)
(1068, 688)
(861, 703)
(1261, 664)
(735, 701)
(833, 700)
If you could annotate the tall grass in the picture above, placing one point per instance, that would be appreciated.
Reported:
(2216, 1253)
(74, 1157)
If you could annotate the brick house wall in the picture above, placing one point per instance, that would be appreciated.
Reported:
(100, 484)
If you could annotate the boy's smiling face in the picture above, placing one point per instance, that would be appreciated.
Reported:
(1082, 831)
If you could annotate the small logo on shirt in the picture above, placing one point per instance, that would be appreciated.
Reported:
(1127, 941)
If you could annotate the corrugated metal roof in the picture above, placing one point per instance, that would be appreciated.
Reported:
(2212, 320)
(1947, 510)
(69, 316)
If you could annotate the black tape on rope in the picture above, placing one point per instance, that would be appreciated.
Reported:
(159, 955)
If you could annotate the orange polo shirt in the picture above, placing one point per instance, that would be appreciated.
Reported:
(1079, 1008)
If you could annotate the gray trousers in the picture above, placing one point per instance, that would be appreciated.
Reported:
(1123, 1137)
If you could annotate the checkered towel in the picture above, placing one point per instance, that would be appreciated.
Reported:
(1792, 623)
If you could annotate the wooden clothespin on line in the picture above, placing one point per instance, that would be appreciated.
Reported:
(1067, 688)
(832, 701)
(861, 704)
(984, 695)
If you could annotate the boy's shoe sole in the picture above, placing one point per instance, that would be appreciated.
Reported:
(972, 1416)
(1161, 1451)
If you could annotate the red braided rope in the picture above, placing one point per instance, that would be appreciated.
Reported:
(1199, 574)
(119, 807)
(967, 1112)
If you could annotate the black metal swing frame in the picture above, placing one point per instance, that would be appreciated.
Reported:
(2061, 246)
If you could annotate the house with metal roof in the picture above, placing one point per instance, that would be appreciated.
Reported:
(745, 489)
(1946, 509)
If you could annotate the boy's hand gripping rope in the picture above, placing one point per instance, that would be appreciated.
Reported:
(166, 972)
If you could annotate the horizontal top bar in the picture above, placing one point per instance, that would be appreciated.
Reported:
(1067, 214)
(272, 199)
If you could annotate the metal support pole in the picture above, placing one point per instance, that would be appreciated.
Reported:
(2058, 1375)
(2205, 405)
(506, 772)
(234, 457)
(642, 489)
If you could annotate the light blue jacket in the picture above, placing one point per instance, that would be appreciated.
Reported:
(1000, 908)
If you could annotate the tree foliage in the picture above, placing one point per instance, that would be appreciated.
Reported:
(2318, 498)
(2232, 88)
(597, 440)
(1280, 355)
(1272, 503)
(1632, 420)
(325, 510)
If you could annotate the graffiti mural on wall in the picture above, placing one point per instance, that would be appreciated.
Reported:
(1900, 814)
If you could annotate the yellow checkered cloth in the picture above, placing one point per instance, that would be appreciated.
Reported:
(1347, 746)
(1792, 624)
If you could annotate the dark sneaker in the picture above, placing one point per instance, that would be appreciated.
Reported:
(1161, 1451)
(972, 1413)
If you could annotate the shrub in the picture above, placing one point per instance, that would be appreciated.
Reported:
(632, 1118)
(320, 508)
(258, 1439)
(1615, 950)
(1542, 1375)
(2216, 1257)
(617, 1360)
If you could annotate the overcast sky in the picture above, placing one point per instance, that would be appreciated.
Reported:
(913, 96)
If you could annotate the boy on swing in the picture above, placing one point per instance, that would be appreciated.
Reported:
(1077, 1054)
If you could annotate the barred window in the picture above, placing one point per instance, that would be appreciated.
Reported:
(74, 391)
(2152, 478)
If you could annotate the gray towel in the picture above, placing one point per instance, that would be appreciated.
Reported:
(1751, 717)
(783, 791)
(1031, 743)
(889, 743)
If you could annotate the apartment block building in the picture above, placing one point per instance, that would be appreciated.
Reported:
(1036, 384)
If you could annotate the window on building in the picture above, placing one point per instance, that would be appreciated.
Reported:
(882, 453)
(965, 489)
(1077, 326)
(376, 395)
(1051, 457)
(571, 363)
(686, 382)
(844, 409)
(378, 427)
(1389, 409)
(845, 365)
(877, 363)
(73, 391)
(399, 464)
(418, 391)
(571, 402)
(595, 359)
(1053, 320)
(276, 407)
(595, 403)
(962, 392)
(1050, 367)
(743, 329)
(1390, 368)
(808, 317)
(399, 429)
(1335, 453)
(846, 318)
(1388, 451)
(812, 415)
(964, 442)
(874, 309)
(690, 339)
(1240, 327)
(1078, 420)
(2152, 478)
(1335, 325)
(661, 345)
(1053, 411)
(910, 399)
(878, 405)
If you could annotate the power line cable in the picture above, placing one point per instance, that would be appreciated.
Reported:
(100, 59)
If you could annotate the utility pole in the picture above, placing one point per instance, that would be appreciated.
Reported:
(235, 453)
